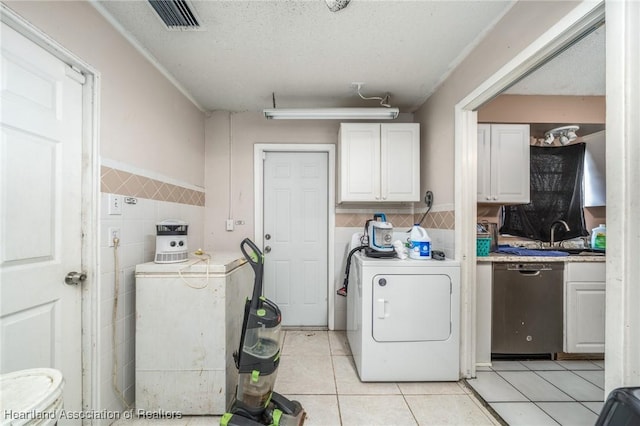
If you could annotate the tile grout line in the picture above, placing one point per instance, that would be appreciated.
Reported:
(573, 400)
(529, 399)
(515, 388)
(335, 381)
(404, 398)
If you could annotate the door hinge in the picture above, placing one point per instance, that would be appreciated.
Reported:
(75, 73)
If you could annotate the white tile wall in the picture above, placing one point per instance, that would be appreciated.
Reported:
(137, 245)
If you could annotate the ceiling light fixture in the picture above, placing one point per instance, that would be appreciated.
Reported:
(566, 135)
(331, 113)
(385, 112)
(336, 5)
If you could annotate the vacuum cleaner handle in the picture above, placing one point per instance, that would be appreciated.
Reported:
(380, 216)
(256, 260)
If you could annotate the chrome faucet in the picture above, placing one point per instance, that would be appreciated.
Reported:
(553, 226)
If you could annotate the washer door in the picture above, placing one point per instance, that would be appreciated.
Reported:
(411, 308)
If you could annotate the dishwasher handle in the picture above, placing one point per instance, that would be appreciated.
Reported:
(529, 273)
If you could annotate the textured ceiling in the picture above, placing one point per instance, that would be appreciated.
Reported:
(578, 70)
(307, 55)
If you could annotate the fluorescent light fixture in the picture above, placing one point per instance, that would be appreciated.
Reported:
(331, 113)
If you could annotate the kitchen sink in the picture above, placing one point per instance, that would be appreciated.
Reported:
(582, 251)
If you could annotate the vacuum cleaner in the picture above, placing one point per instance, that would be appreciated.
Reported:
(255, 403)
(376, 241)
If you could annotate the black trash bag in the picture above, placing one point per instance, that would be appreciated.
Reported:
(556, 194)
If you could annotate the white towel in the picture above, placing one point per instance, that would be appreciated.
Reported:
(401, 249)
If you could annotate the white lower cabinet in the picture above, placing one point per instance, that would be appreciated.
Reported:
(585, 307)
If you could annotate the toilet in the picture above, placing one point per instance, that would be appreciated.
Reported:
(32, 397)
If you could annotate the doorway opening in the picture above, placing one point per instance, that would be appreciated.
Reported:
(575, 25)
(261, 152)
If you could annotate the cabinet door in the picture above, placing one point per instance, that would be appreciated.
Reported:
(484, 163)
(400, 162)
(510, 163)
(411, 308)
(585, 316)
(359, 152)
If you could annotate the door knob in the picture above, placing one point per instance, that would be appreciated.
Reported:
(75, 278)
(267, 249)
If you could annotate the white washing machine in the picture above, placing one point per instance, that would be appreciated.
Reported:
(403, 319)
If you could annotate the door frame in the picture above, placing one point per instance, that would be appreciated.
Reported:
(259, 151)
(572, 25)
(90, 198)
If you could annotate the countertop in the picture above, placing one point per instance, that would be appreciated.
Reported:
(503, 257)
(218, 263)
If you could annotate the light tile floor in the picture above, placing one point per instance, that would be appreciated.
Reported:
(543, 392)
(317, 369)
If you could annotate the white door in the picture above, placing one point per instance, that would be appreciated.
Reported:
(296, 235)
(40, 203)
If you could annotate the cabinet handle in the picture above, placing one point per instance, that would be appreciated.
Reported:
(384, 198)
(488, 198)
(495, 197)
(377, 198)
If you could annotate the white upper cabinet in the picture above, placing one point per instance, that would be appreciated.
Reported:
(379, 162)
(503, 163)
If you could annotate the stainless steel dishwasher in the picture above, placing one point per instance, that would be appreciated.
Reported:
(527, 305)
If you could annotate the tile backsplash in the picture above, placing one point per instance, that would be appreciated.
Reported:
(123, 182)
(154, 201)
(437, 220)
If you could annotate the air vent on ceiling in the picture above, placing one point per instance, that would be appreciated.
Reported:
(176, 14)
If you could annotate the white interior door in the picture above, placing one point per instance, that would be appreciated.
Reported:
(296, 235)
(40, 203)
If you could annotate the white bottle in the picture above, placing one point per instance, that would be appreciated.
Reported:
(599, 237)
(420, 243)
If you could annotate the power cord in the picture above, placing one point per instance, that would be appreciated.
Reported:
(202, 257)
(428, 200)
(114, 334)
(383, 101)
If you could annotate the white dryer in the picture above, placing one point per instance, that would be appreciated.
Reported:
(403, 319)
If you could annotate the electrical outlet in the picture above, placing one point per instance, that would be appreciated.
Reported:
(428, 199)
(115, 204)
(113, 234)
(229, 224)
